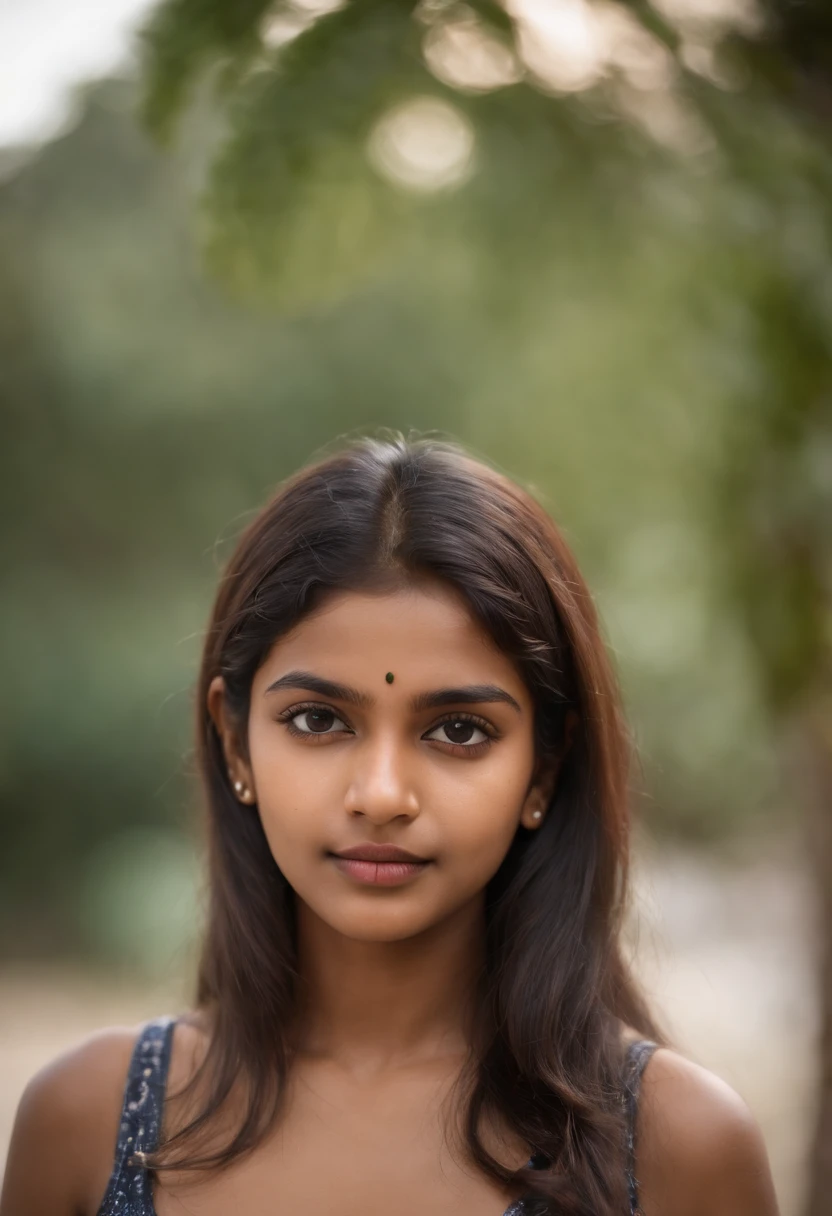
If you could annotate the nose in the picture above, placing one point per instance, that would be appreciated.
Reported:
(381, 786)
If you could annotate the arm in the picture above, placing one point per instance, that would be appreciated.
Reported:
(62, 1145)
(699, 1148)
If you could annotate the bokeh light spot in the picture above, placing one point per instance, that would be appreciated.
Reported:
(424, 144)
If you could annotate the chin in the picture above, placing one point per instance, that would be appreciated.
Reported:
(382, 925)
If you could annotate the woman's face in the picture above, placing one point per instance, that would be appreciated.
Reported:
(439, 761)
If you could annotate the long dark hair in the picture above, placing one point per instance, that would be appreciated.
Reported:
(546, 1054)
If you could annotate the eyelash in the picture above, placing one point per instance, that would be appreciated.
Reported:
(470, 749)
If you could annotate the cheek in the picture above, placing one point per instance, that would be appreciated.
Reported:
(291, 822)
(481, 807)
(292, 785)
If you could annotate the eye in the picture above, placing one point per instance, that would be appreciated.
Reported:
(460, 731)
(313, 720)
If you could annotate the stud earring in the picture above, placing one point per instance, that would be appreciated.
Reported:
(537, 814)
(238, 786)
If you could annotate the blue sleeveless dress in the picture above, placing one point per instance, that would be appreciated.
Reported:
(129, 1190)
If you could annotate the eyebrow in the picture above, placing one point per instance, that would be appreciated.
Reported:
(468, 694)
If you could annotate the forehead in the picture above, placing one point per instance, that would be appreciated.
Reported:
(425, 634)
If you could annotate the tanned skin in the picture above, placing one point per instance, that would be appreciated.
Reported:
(388, 973)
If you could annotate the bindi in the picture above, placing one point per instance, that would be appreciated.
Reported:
(389, 677)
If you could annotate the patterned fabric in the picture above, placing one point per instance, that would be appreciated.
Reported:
(129, 1189)
(128, 1193)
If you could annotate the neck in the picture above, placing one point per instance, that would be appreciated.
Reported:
(379, 1005)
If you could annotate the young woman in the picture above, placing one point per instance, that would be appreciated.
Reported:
(411, 998)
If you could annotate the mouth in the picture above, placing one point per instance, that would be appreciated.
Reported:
(379, 865)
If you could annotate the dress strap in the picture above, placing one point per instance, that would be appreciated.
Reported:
(635, 1062)
(128, 1191)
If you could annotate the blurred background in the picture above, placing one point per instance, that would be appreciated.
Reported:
(592, 239)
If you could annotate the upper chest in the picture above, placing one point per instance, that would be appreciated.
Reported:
(350, 1148)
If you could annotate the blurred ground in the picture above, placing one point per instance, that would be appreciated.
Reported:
(725, 949)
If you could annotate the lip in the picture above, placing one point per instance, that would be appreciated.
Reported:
(379, 852)
(379, 865)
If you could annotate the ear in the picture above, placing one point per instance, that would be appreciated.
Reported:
(240, 776)
(539, 796)
(543, 784)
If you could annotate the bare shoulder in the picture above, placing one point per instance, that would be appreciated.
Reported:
(699, 1148)
(64, 1136)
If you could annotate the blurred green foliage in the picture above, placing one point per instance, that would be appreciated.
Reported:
(626, 303)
